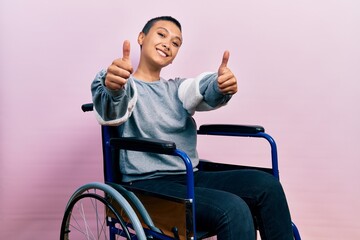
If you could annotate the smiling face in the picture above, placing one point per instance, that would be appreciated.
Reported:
(160, 45)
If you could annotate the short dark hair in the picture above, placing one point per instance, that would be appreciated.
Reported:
(152, 21)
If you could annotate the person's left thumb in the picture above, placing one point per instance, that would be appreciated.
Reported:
(224, 62)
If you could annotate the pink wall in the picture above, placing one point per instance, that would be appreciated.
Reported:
(298, 67)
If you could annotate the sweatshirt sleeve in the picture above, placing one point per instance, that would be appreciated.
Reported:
(112, 107)
(202, 93)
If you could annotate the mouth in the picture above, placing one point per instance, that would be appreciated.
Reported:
(162, 53)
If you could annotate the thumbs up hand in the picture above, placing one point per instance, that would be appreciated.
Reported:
(226, 80)
(120, 69)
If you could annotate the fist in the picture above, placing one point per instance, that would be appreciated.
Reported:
(120, 69)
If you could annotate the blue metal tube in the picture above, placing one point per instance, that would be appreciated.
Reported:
(189, 173)
(107, 155)
(190, 181)
(296, 232)
(274, 155)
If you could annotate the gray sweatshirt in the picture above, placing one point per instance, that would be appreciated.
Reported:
(161, 110)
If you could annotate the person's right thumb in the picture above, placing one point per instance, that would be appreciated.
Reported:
(126, 50)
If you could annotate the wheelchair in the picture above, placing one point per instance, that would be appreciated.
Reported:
(112, 210)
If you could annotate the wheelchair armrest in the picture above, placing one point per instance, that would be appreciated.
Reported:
(230, 128)
(161, 147)
(143, 145)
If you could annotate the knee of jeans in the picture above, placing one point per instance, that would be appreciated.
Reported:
(229, 216)
(236, 213)
(272, 187)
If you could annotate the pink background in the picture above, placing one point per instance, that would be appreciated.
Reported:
(298, 66)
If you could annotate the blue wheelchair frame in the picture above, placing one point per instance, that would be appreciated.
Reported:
(112, 142)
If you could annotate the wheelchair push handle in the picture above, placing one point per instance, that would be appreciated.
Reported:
(87, 107)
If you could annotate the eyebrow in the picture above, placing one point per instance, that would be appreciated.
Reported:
(169, 32)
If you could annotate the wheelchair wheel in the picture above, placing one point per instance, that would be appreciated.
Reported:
(97, 211)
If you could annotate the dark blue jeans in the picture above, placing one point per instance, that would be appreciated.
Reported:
(232, 203)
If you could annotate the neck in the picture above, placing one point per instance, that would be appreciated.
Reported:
(146, 73)
(146, 76)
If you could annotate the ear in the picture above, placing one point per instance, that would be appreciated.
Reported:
(141, 38)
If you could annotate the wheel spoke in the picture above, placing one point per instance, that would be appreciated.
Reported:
(91, 216)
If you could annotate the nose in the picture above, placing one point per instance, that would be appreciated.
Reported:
(166, 46)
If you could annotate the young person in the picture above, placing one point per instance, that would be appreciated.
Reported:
(143, 104)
